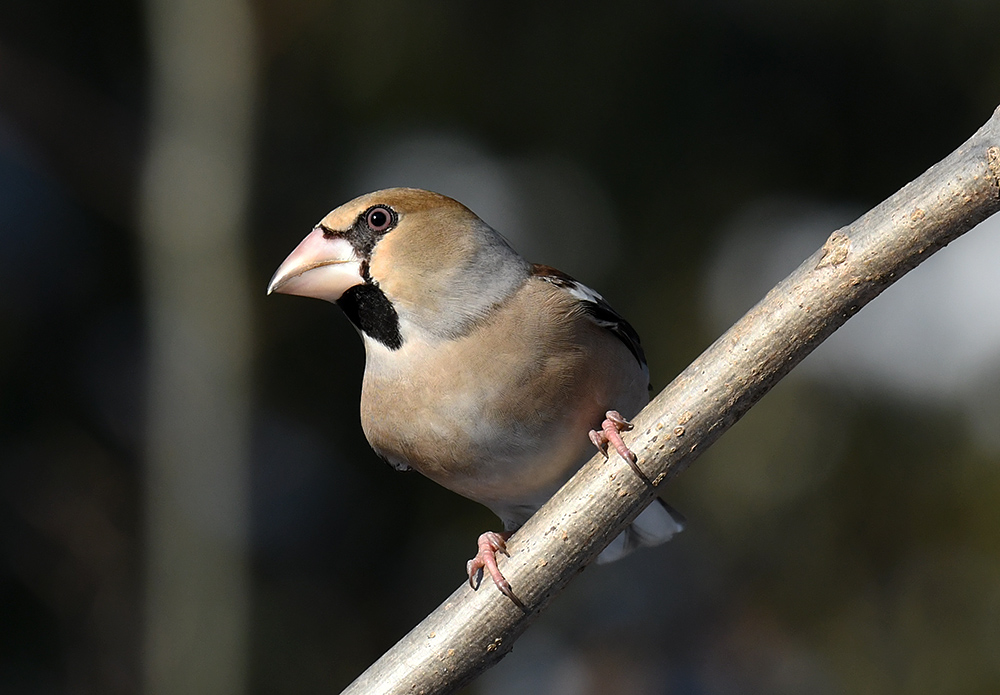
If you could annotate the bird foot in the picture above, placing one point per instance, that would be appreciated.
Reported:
(610, 433)
(490, 543)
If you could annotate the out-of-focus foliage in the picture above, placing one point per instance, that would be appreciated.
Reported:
(843, 538)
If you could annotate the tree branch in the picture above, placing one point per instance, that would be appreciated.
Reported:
(472, 630)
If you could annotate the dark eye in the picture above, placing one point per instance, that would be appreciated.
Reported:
(379, 218)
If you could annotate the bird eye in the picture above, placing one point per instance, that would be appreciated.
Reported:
(379, 218)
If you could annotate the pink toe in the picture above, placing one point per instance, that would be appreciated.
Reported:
(491, 543)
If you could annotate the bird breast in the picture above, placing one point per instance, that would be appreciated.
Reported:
(500, 415)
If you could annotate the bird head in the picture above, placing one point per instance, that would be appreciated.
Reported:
(403, 261)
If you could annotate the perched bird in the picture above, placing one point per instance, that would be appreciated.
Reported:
(483, 372)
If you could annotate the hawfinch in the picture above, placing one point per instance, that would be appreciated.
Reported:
(484, 372)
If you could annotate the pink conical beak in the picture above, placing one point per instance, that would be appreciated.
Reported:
(321, 266)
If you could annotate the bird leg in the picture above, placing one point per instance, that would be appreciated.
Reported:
(610, 433)
(491, 543)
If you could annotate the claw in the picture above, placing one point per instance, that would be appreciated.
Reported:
(600, 441)
(610, 433)
(491, 543)
(622, 424)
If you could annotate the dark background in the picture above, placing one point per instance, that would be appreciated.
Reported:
(679, 157)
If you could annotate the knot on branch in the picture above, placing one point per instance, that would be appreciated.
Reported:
(835, 250)
(993, 163)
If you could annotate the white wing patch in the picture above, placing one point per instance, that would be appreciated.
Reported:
(584, 293)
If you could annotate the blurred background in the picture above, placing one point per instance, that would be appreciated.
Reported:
(187, 501)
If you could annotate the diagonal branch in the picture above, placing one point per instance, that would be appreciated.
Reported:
(472, 630)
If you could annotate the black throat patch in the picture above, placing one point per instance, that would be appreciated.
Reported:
(371, 311)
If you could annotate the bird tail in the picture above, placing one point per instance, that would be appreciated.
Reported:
(656, 524)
